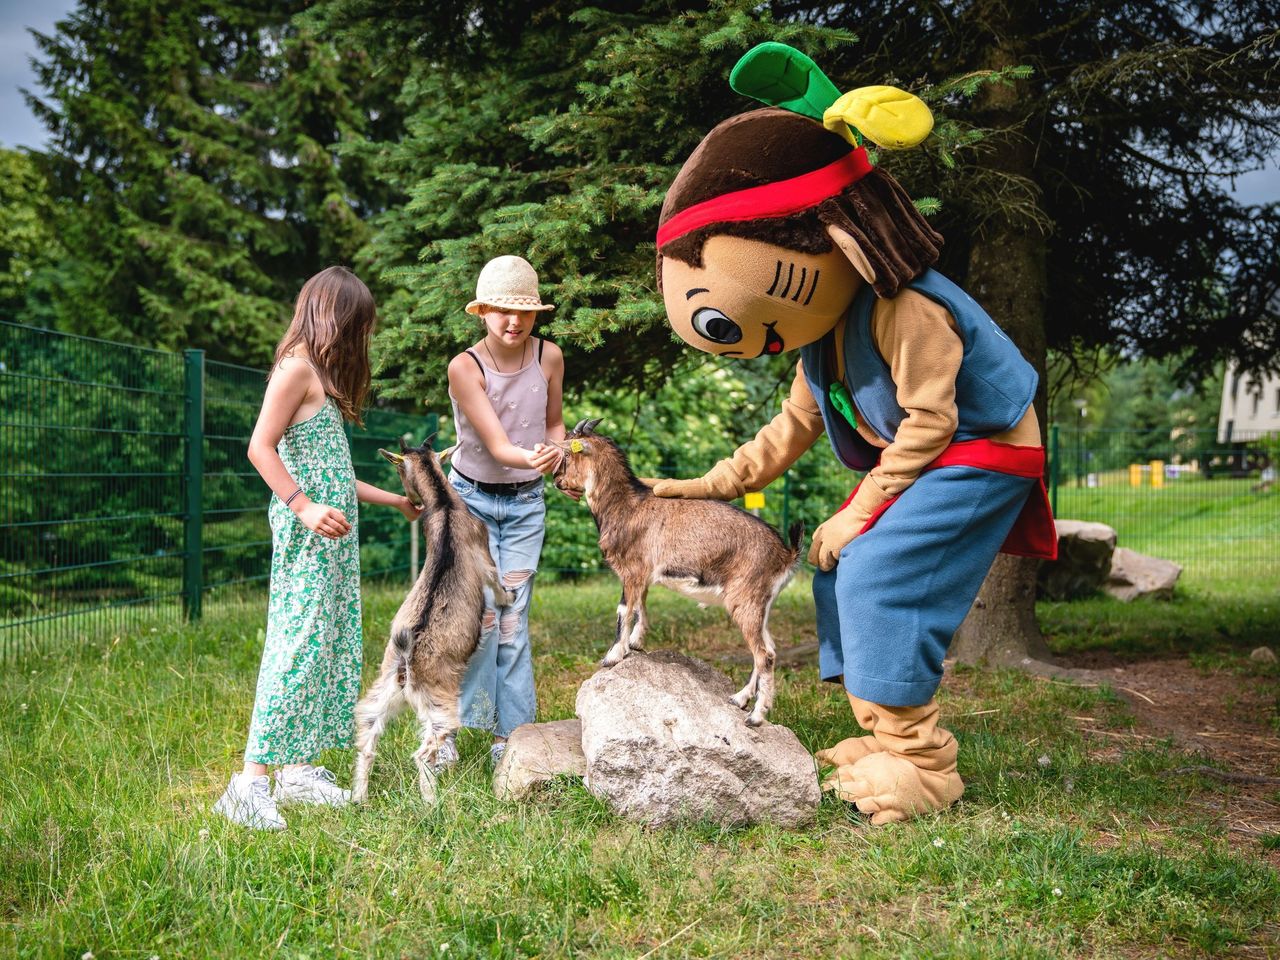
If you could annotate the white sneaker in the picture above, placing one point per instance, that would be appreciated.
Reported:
(248, 802)
(307, 784)
(495, 753)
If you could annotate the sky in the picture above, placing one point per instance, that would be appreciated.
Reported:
(19, 128)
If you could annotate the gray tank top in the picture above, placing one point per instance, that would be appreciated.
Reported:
(520, 401)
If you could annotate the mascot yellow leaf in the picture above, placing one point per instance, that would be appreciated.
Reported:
(887, 116)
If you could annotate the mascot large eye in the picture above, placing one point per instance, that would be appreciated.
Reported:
(714, 325)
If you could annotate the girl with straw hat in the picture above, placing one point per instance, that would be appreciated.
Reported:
(506, 392)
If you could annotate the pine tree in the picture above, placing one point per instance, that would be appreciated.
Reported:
(192, 152)
(28, 243)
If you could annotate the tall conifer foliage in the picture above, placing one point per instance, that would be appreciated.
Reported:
(191, 151)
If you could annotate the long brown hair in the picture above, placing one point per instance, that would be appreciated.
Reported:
(333, 319)
(765, 146)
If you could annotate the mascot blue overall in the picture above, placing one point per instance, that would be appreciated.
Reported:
(780, 234)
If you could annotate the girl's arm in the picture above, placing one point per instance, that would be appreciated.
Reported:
(288, 387)
(466, 383)
(368, 493)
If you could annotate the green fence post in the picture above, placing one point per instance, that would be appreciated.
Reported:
(193, 477)
(1053, 468)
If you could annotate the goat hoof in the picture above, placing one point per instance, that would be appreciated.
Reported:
(739, 701)
(754, 721)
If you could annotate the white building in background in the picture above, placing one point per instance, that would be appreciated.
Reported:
(1250, 406)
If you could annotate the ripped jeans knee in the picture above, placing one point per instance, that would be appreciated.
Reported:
(511, 619)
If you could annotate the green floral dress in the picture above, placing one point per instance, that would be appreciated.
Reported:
(310, 674)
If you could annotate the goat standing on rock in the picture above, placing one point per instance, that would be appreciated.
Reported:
(436, 629)
(707, 550)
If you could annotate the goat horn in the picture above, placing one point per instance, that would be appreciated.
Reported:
(591, 425)
(582, 426)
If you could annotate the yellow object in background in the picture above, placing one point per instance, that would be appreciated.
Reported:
(753, 501)
(1157, 473)
(1135, 474)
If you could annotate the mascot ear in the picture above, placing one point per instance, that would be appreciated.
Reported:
(853, 250)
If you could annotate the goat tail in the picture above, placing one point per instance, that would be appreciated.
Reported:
(795, 536)
(402, 640)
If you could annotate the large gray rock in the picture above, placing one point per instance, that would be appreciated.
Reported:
(1083, 564)
(1136, 575)
(536, 754)
(663, 743)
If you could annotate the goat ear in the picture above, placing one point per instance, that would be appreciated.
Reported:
(395, 458)
(444, 455)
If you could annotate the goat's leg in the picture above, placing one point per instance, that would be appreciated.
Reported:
(443, 715)
(750, 618)
(764, 693)
(636, 640)
(378, 707)
(425, 757)
(631, 587)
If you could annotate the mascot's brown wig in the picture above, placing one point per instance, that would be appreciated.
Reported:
(771, 145)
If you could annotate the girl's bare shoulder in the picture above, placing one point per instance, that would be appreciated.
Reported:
(293, 371)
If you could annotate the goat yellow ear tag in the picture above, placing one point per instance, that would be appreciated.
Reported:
(576, 446)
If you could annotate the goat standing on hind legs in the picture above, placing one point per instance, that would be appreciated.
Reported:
(436, 629)
(709, 551)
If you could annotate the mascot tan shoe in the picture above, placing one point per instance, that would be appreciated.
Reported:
(852, 749)
(914, 773)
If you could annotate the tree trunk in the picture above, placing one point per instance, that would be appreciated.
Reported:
(1007, 276)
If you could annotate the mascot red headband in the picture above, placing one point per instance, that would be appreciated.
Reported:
(770, 200)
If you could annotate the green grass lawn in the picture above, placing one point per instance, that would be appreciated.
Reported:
(112, 754)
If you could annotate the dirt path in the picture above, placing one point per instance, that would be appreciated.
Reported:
(1225, 716)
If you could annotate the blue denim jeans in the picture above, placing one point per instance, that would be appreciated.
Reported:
(888, 611)
(497, 691)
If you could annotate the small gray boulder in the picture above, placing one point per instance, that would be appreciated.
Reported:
(1135, 575)
(536, 754)
(663, 743)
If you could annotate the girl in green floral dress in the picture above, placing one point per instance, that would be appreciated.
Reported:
(310, 674)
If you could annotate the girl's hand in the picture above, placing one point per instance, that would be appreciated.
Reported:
(544, 457)
(405, 506)
(327, 521)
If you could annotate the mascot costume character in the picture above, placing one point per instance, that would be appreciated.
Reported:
(780, 233)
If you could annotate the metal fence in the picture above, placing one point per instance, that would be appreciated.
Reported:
(126, 494)
(125, 489)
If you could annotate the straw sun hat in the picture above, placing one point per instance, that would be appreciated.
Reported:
(510, 283)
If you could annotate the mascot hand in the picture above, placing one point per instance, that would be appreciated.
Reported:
(834, 535)
(720, 483)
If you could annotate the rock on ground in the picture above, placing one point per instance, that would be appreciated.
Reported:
(663, 743)
(1136, 575)
(1084, 561)
(536, 754)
